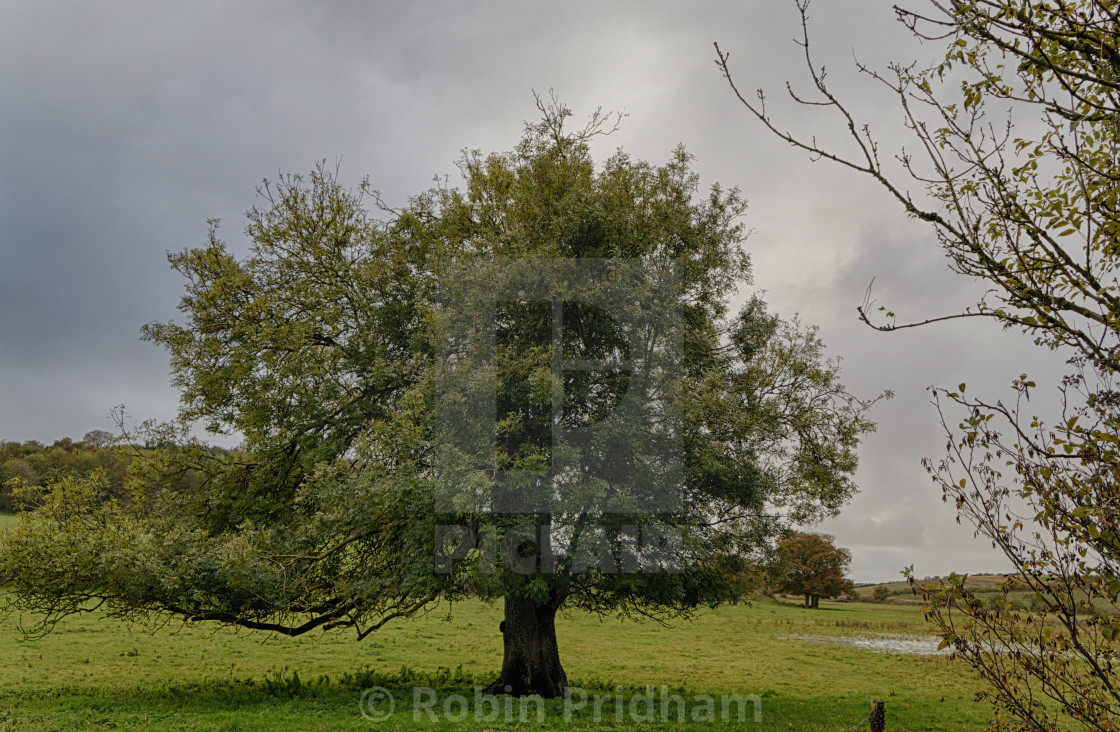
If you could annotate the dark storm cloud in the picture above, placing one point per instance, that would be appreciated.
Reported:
(124, 126)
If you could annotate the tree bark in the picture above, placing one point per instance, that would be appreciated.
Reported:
(807, 601)
(531, 662)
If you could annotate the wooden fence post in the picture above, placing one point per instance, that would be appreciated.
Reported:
(878, 716)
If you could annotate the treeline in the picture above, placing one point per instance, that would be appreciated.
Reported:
(35, 464)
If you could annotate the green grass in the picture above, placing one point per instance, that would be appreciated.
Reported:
(95, 673)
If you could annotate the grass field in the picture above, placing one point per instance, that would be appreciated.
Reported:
(93, 673)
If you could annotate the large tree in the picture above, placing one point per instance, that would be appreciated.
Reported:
(1017, 146)
(811, 565)
(399, 384)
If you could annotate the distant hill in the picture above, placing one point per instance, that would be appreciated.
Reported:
(985, 586)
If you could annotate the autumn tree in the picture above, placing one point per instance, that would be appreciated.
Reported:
(1016, 169)
(98, 438)
(811, 565)
(471, 395)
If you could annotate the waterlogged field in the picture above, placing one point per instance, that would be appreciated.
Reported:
(93, 673)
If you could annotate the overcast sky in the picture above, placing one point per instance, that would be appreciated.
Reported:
(125, 126)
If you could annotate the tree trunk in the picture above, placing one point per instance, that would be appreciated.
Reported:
(531, 663)
(807, 601)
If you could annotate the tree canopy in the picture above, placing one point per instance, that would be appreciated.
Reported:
(335, 350)
(812, 565)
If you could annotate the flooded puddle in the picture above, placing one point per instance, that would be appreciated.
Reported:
(914, 645)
